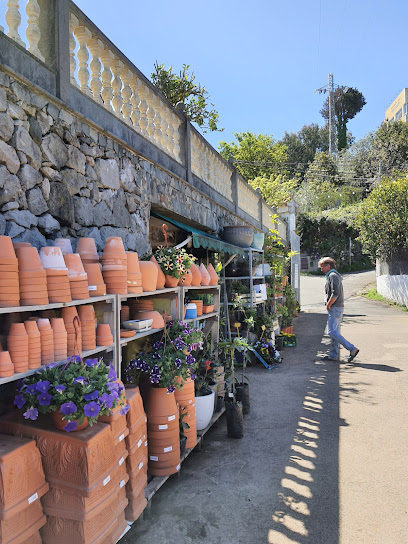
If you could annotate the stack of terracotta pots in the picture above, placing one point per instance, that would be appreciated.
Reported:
(17, 344)
(119, 429)
(47, 341)
(124, 313)
(150, 274)
(60, 338)
(57, 274)
(64, 244)
(96, 285)
(134, 276)
(87, 249)
(163, 432)
(185, 401)
(87, 496)
(32, 276)
(143, 309)
(104, 335)
(34, 344)
(199, 305)
(114, 266)
(74, 331)
(161, 278)
(87, 317)
(205, 276)
(9, 288)
(23, 485)
(78, 278)
(136, 461)
(6, 365)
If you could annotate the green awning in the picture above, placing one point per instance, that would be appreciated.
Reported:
(203, 239)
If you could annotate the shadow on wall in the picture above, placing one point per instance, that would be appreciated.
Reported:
(394, 288)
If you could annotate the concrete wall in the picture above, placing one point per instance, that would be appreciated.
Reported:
(394, 288)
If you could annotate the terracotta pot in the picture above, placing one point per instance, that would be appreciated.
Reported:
(17, 329)
(75, 267)
(60, 423)
(171, 281)
(20, 244)
(87, 249)
(149, 275)
(94, 273)
(9, 264)
(6, 365)
(86, 313)
(158, 321)
(132, 262)
(28, 259)
(213, 275)
(208, 308)
(187, 279)
(205, 276)
(58, 325)
(64, 244)
(161, 280)
(51, 257)
(113, 247)
(103, 330)
(6, 248)
(160, 403)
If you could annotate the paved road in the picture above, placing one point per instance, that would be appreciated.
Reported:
(323, 457)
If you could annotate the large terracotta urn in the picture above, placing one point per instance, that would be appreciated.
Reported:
(161, 280)
(186, 279)
(149, 275)
(196, 281)
(205, 276)
(171, 281)
(213, 275)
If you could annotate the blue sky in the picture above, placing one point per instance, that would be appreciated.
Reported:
(262, 60)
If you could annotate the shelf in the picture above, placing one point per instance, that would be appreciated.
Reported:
(84, 354)
(124, 341)
(201, 317)
(149, 293)
(245, 278)
(255, 303)
(192, 288)
(53, 305)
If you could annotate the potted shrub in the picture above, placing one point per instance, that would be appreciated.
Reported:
(76, 394)
(174, 263)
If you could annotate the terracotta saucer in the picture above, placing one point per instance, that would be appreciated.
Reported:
(126, 334)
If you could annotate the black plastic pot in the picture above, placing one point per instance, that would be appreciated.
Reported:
(242, 395)
(279, 342)
(235, 419)
(219, 404)
(183, 442)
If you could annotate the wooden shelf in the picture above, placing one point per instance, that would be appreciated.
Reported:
(201, 287)
(201, 317)
(244, 277)
(53, 305)
(124, 341)
(149, 293)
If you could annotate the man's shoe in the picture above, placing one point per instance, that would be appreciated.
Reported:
(353, 355)
(328, 358)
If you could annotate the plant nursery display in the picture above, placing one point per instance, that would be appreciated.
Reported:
(80, 391)
(173, 261)
(268, 352)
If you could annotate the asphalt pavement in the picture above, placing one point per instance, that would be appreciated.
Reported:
(323, 457)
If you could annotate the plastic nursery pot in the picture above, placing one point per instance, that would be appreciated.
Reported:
(242, 395)
(204, 406)
(235, 419)
(205, 276)
(149, 275)
(64, 244)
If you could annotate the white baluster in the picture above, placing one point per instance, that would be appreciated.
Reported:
(13, 19)
(164, 126)
(106, 57)
(150, 115)
(127, 95)
(83, 34)
(157, 119)
(73, 23)
(117, 100)
(33, 31)
(175, 121)
(135, 101)
(143, 122)
(95, 46)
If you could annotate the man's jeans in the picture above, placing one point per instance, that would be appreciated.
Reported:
(333, 330)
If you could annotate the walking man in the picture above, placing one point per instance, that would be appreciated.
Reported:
(335, 307)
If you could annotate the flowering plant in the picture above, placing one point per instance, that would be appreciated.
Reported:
(173, 261)
(79, 389)
(267, 351)
(169, 358)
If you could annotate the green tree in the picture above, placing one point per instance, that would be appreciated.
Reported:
(182, 88)
(357, 164)
(275, 190)
(383, 219)
(302, 146)
(255, 155)
(390, 145)
(348, 101)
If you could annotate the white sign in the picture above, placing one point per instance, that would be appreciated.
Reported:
(296, 276)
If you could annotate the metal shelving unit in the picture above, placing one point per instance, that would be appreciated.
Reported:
(212, 319)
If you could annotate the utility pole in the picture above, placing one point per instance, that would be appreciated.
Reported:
(329, 88)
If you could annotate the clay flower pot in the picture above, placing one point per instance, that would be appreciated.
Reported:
(113, 247)
(51, 257)
(160, 277)
(205, 276)
(6, 365)
(158, 321)
(96, 285)
(6, 248)
(186, 279)
(196, 281)
(64, 244)
(28, 259)
(60, 423)
(87, 249)
(58, 325)
(132, 262)
(86, 313)
(171, 281)
(149, 275)
(75, 267)
(213, 274)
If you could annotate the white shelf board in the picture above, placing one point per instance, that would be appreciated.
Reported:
(193, 288)
(53, 305)
(245, 277)
(149, 293)
(201, 317)
(142, 334)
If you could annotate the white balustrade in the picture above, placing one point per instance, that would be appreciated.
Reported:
(157, 119)
(150, 116)
(106, 57)
(73, 23)
(13, 19)
(164, 129)
(135, 101)
(95, 46)
(33, 32)
(127, 96)
(83, 34)
(117, 99)
(248, 199)
(143, 122)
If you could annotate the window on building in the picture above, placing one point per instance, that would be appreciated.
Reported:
(405, 109)
(398, 115)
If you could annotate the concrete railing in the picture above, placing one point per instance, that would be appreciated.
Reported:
(80, 64)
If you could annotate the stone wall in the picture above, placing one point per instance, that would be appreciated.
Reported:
(60, 177)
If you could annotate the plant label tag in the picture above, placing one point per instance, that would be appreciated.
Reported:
(190, 401)
(122, 483)
(193, 405)
(121, 461)
(33, 498)
(178, 467)
(171, 418)
(146, 443)
(139, 443)
(153, 458)
(92, 288)
(162, 427)
(145, 419)
(170, 448)
(140, 465)
(121, 437)
(106, 481)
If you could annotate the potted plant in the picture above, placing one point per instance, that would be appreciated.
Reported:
(182, 425)
(174, 262)
(204, 395)
(268, 352)
(76, 394)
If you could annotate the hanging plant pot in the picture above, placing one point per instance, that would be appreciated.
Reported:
(242, 395)
(235, 419)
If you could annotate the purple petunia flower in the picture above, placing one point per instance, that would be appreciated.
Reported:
(113, 386)
(112, 374)
(92, 409)
(68, 408)
(91, 396)
(19, 385)
(91, 362)
(76, 359)
(80, 379)
(32, 413)
(44, 399)
(107, 400)
(70, 426)
(171, 389)
(193, 376)
(60, 388)
(124, 410)
(178, 362)
(32, 389)
(43, 386)
(19, 401)
(190, 360)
